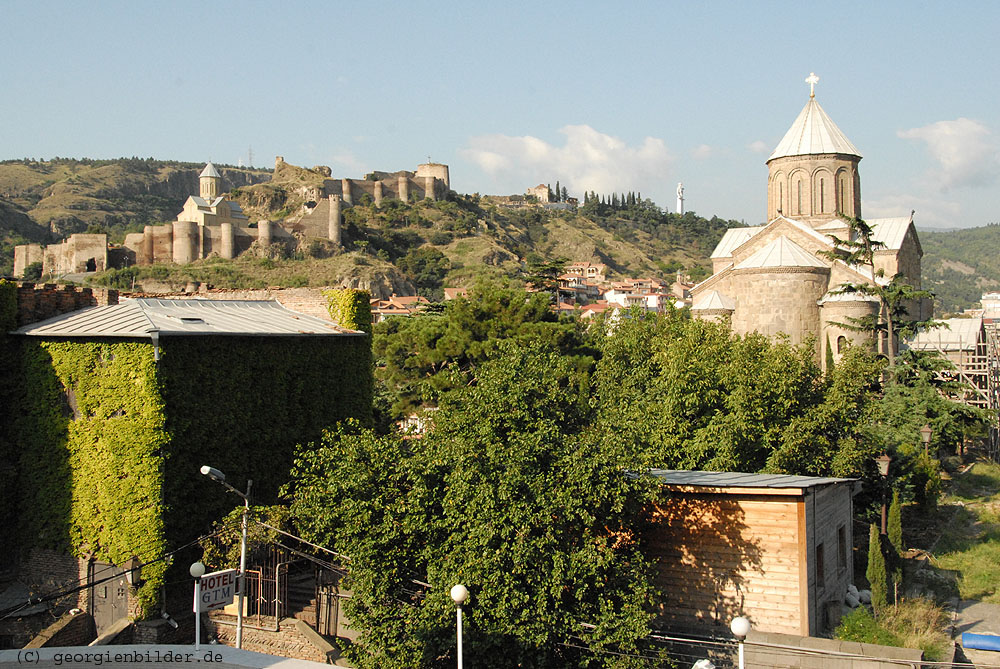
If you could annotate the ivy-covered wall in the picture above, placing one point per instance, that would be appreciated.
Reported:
(109, 442)
(241, 404)
(91, 443)
(8, 395)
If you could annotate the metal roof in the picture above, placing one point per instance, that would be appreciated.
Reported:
(782, 252)
(713, 299)
(141, 317)
(732, 238)
(210, 171)
(740, 480)
(958, 334)
(813, 133)
(890, 231)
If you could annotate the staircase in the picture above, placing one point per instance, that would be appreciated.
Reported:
(300, 595)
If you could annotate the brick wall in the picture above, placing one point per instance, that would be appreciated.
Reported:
(36, 302)
(70, 630)
(45, 571)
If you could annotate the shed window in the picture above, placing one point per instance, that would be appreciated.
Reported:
(841, 547)
(820, 571)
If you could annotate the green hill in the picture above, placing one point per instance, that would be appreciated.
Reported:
(45, 201)
(961, 265)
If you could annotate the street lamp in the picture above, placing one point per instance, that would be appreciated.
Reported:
(197, 570)
(925, 435)
(883, 469)
(459, 594)
(740, 627)
(216, 475)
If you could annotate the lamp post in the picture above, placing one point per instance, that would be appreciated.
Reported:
(459, 594)
(216, 475)
(883, 469)
(925, 435)
(740, 627)
(197, 570)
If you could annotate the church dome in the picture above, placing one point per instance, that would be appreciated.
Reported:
(813, 133)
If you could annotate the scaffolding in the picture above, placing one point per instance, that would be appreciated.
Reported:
(972, 346)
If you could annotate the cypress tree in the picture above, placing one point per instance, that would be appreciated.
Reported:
(876, 572)
(557, 190)
(894, 524)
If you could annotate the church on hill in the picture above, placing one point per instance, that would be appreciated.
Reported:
(775, 279)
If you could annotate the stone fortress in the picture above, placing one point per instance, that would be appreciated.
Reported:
(210, 223)
(774, 279)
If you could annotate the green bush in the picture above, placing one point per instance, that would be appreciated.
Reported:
(33, 272)
(861, 626)
(895, 523)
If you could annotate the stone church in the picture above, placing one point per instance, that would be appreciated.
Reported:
(773, 278)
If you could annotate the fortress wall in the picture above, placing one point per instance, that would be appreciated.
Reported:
(26, 254)
(87, 252)
(36, 302)
(775, 300)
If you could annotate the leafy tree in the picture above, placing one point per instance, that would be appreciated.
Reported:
(876, 572)
(512, 495)
(419, 358)
(427, 266)
(33, 271)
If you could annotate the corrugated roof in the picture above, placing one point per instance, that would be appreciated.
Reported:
(740, 480)
(812, 133)
(782, 252)
(890, 231)
(210, 171)
(732, 238)
(141, 317)
(713, 299)
(960, 334)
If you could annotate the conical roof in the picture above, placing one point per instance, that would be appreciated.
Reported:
(782, 252)
(714, 300)
(812, 133)
(210, 171)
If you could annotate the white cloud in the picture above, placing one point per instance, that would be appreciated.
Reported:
(588, 161)
(702, 152)
(757, 147)
(965, 150)
(932, 212)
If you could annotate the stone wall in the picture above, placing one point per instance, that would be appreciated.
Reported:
(773, 650)
(36, 302)
(294, 638)
(779, 300)
(73, 629)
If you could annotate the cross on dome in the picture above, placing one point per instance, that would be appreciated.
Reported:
(812, 80)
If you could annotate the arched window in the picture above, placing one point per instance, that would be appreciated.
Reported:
(841, 344)
(798, 196)
(781, 197)
(822, 196)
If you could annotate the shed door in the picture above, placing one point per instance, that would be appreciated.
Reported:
(108, 598)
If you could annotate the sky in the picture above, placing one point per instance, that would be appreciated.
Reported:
(605, 97)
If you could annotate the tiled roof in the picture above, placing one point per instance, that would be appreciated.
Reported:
(732, 238)
(141, 317)
(210, 171)
(890, 231)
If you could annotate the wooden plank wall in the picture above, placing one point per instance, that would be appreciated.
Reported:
(828, 510)
(720, 555)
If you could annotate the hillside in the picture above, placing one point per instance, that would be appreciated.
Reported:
(961, 265)
(44, 201)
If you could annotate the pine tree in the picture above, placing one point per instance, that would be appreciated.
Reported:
(876, 572)
(894, 526)
(565, 195)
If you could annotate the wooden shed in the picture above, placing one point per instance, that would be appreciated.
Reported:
(774, 548)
